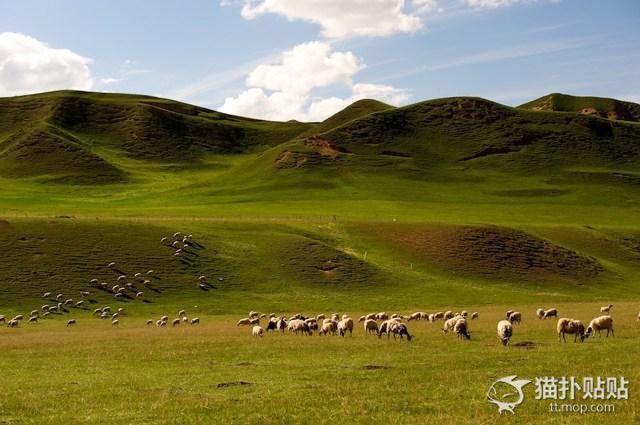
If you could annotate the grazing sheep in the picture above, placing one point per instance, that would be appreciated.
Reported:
(115, 288)
(46, 314)
(282, 324)
(509, 313)
(401, 330)
(182, 313)
(505, 331)
(474, 315)
(140, 294)
(382, 316)
(386, 327)
(185, 319)
(255, 321)
(177, 235)
(515, 317)
(570, 326)
(320, 317)
(97, 311)
(111, 265)
(85, 293)
(312, 323)
(195, 321)
(540, 313)
(606, 309)
(106, 308)
(115, 316)
(370, 326)
(33, 319)
(161, 323)
(370, 316)
(552, 312)
(449, 324)
(415, 316)
(464, 313)
(448, 315)
(71, 322)
(150, 272)
(600, 323)
(46, 295)
(437, 316)
(461, 329)
(361, 319)
(257, 331)
(115, 322)
(346, 324)
(2, 319)
(176, 322)
(59, 297)
(13, 323)
(79, 304)
(105, 315)
(121, 278)
(328, 327)
(34, 313)
(298, 325)
(149, 322)
(69, 301)
(165, 318)
(19, 317)
(118, 295)
(395, 316)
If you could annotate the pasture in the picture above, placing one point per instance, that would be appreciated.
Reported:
(218, 373)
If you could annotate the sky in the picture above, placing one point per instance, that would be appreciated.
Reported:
(307, 59)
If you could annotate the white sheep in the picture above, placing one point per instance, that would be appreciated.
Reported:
(34, 313)
(111, 265)
(382, 316)
(606, 309)
(474, 315)
(71, 322)
(160, 323)
(449, 324)
(13, 323)
(176, 322)
(115, 322)
(79, 304)
(505, 331)
(121, 278)
(540, 313)
(570, 326)
(328, 327)
(149, 322)
(438, 315)
(195, 321)
(139, 294)
(415, 316)
(370, 326)
(257, 331)
(165, 318)
(552, 312)
(461, 328)
(600, 323)
(515, 317)
(46, 295)
(182, 313)
(344, 325)
(33, 319)
(448, 314)
(3, 319)
(298, 325)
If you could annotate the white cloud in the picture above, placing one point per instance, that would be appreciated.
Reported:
(494, 4)
(344, 18)
(283, 91)
(305, 67)
(28, 65)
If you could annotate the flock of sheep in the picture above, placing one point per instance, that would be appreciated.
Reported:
(564, 325)
(124, 287)
(456, 323)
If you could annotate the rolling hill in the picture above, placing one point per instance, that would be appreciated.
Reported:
(600, 106)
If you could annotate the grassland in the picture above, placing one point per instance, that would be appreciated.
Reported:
(448, 204)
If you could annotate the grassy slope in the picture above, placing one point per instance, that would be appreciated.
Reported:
(603, 106)
(330, 235)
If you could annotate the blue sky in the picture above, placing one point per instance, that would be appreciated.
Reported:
(283, 59)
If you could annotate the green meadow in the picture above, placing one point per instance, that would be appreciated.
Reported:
(451, 204)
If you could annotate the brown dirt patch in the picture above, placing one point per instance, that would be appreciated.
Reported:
(490, 252)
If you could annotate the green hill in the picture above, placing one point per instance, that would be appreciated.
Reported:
(352, 112)
(600, 106)
(73, 134)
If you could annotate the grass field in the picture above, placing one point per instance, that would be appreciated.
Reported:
(447, 204)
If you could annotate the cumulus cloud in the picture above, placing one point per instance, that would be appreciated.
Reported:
(344, 18)
(284, 90)
(494, 4)
(306, 66)
(28, 65)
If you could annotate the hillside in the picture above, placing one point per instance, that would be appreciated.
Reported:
(599, 106)
(352, 112)
(75, 134)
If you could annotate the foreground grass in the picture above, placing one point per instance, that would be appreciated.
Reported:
(95, 373)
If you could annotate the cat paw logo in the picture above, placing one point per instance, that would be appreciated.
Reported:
(506, 393)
